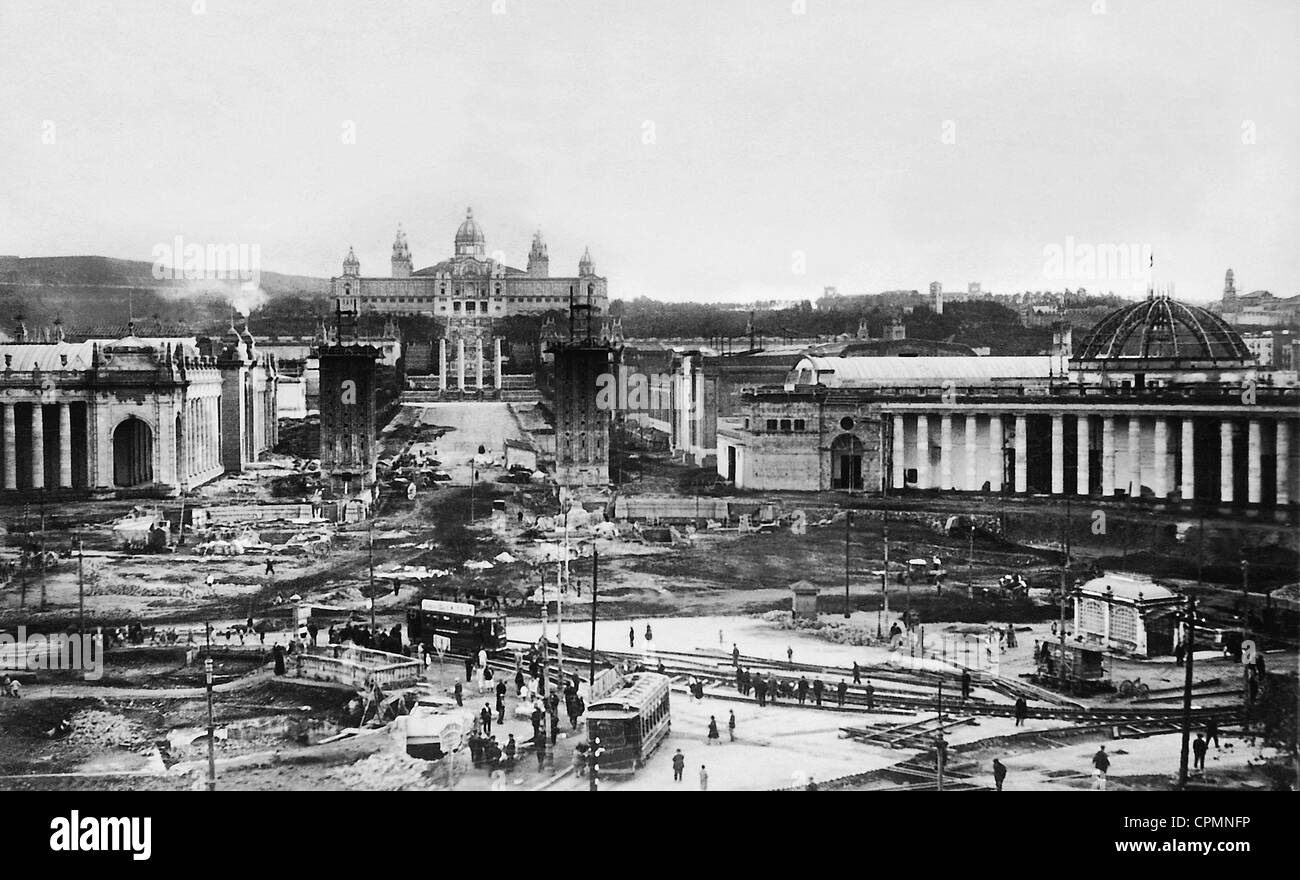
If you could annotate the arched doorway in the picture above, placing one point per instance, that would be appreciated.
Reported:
(132, 453)
(846, 462)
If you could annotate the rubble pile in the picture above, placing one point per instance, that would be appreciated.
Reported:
(385, 771)
(99, 729)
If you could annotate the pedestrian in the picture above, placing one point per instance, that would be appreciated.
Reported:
(511, 748)
(485, 716)
(818, 689)
(857, 673)
(649, 634)
(459, 692)
(501, 709)
(789, 654)
(965, 685)
(469, 669)
(999, 773)
(704, 778)
(840, 690)
(1022, 710)
(871, 696)
(771, 689)
(1180, 652)
(760, 692)
(679, 766)
(731, 726)
(721, 640)
(1212, 732)
(735, 655)
(713, 731)
(802, 690)
(1101, 763)
(1199, 747)
(519, 682)
(1011, 635)
(278, 652)
(631, 637)
(539, 744)
(270, 567)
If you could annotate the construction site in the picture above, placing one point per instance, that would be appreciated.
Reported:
(912, 628)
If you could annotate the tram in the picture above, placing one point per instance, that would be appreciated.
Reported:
(468, 629)
(630, 722)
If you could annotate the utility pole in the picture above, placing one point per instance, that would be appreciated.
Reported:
(970, 563)
(1245, 619)
(940, 747)
(372, 578)
(1065, 565)
(212, 728)
(42, 554)
(81, 586)
(1189, 629)
(848, 524)
(884, 583)
(591, 667)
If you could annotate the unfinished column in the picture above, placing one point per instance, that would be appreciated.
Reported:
(1058, 454)
(1081, 454)
(971, 432)
(1108, 456)
(497, 362)
(442, 363)
(65, 446)
(1282, 447)
(900, 454)
(1225, 462)
(1134, 457)
(460, 363)
(38, 446)
(922, 451)
(1022, 454)
(945, 452)
(996, 452)
(10, 448)
(478, 359)
(1254, 464)
(1187, 487)
(1159, 485)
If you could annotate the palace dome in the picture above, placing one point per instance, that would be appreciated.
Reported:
(469, 237)
(1165, 330)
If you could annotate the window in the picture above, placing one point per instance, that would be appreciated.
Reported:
(469, 306)
(785, 425)
(771, 424)
(846, 423)
(800, 424)
(455, 307)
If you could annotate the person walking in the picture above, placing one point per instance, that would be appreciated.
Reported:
(501, 708)
(965, 685)
(679, 766)
(458, 690)
(704, 778)
(999, 773)
(871, 696)
(760, 691)
(649, 633)
(1022, 710)
(735, 655)
(1212, 732)
(818, 689)
(771, 689)
(857, 673)
(713, 731)
(1199, 747)
(802, 690)
(789, 654)
(519, 682)
(1180, 653)
(485, 716)
(1101, 763)
(278, 652)
(731, 726)
(631, 637)
(511, 748)
(840, 690)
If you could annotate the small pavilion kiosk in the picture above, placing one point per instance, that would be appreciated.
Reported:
(1127, 614)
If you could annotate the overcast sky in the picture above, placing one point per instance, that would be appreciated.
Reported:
(704, 150)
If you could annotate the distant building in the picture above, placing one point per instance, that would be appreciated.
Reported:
(348, 407)
(936, 297)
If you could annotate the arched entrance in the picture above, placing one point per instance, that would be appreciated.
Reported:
(846, 462)
(132, 453)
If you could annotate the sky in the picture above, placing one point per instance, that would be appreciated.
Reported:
(705, 150)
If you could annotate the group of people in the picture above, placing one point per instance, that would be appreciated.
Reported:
(765, 690)
(713, 736)
(679, 770)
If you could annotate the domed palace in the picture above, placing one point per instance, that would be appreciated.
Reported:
(471, 285)
(1161, 402)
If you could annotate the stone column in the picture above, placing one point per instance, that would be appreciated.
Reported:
(442, 363)
(922, 451)
(1283, 450)
(972, 429)
(1254, 465)
(1022, 454)
(65, 446)
(1187, 481)
(38, 446)
(1134, 456)
(460, 364)
(1159, 483)
(996, 451)
(1081, 453)
(1058, 454)
(478, 359)
(1107, 456)
(10, 448)
(945, 452)
(1225, 462)
(497, 363)
(900, 453)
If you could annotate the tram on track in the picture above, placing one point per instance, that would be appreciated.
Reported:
(630, 722)
(468, 629)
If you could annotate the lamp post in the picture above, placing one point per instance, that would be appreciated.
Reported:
(848, 524)
(884, 583)
(371, 552)
(212, 728)
(1245, 620)
(1189, 626)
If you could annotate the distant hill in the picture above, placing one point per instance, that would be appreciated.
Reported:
(89, 291)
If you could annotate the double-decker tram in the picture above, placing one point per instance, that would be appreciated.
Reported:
(468, 629)
(630, 722)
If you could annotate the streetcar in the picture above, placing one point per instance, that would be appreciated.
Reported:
(630, 722)
(467, 629)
